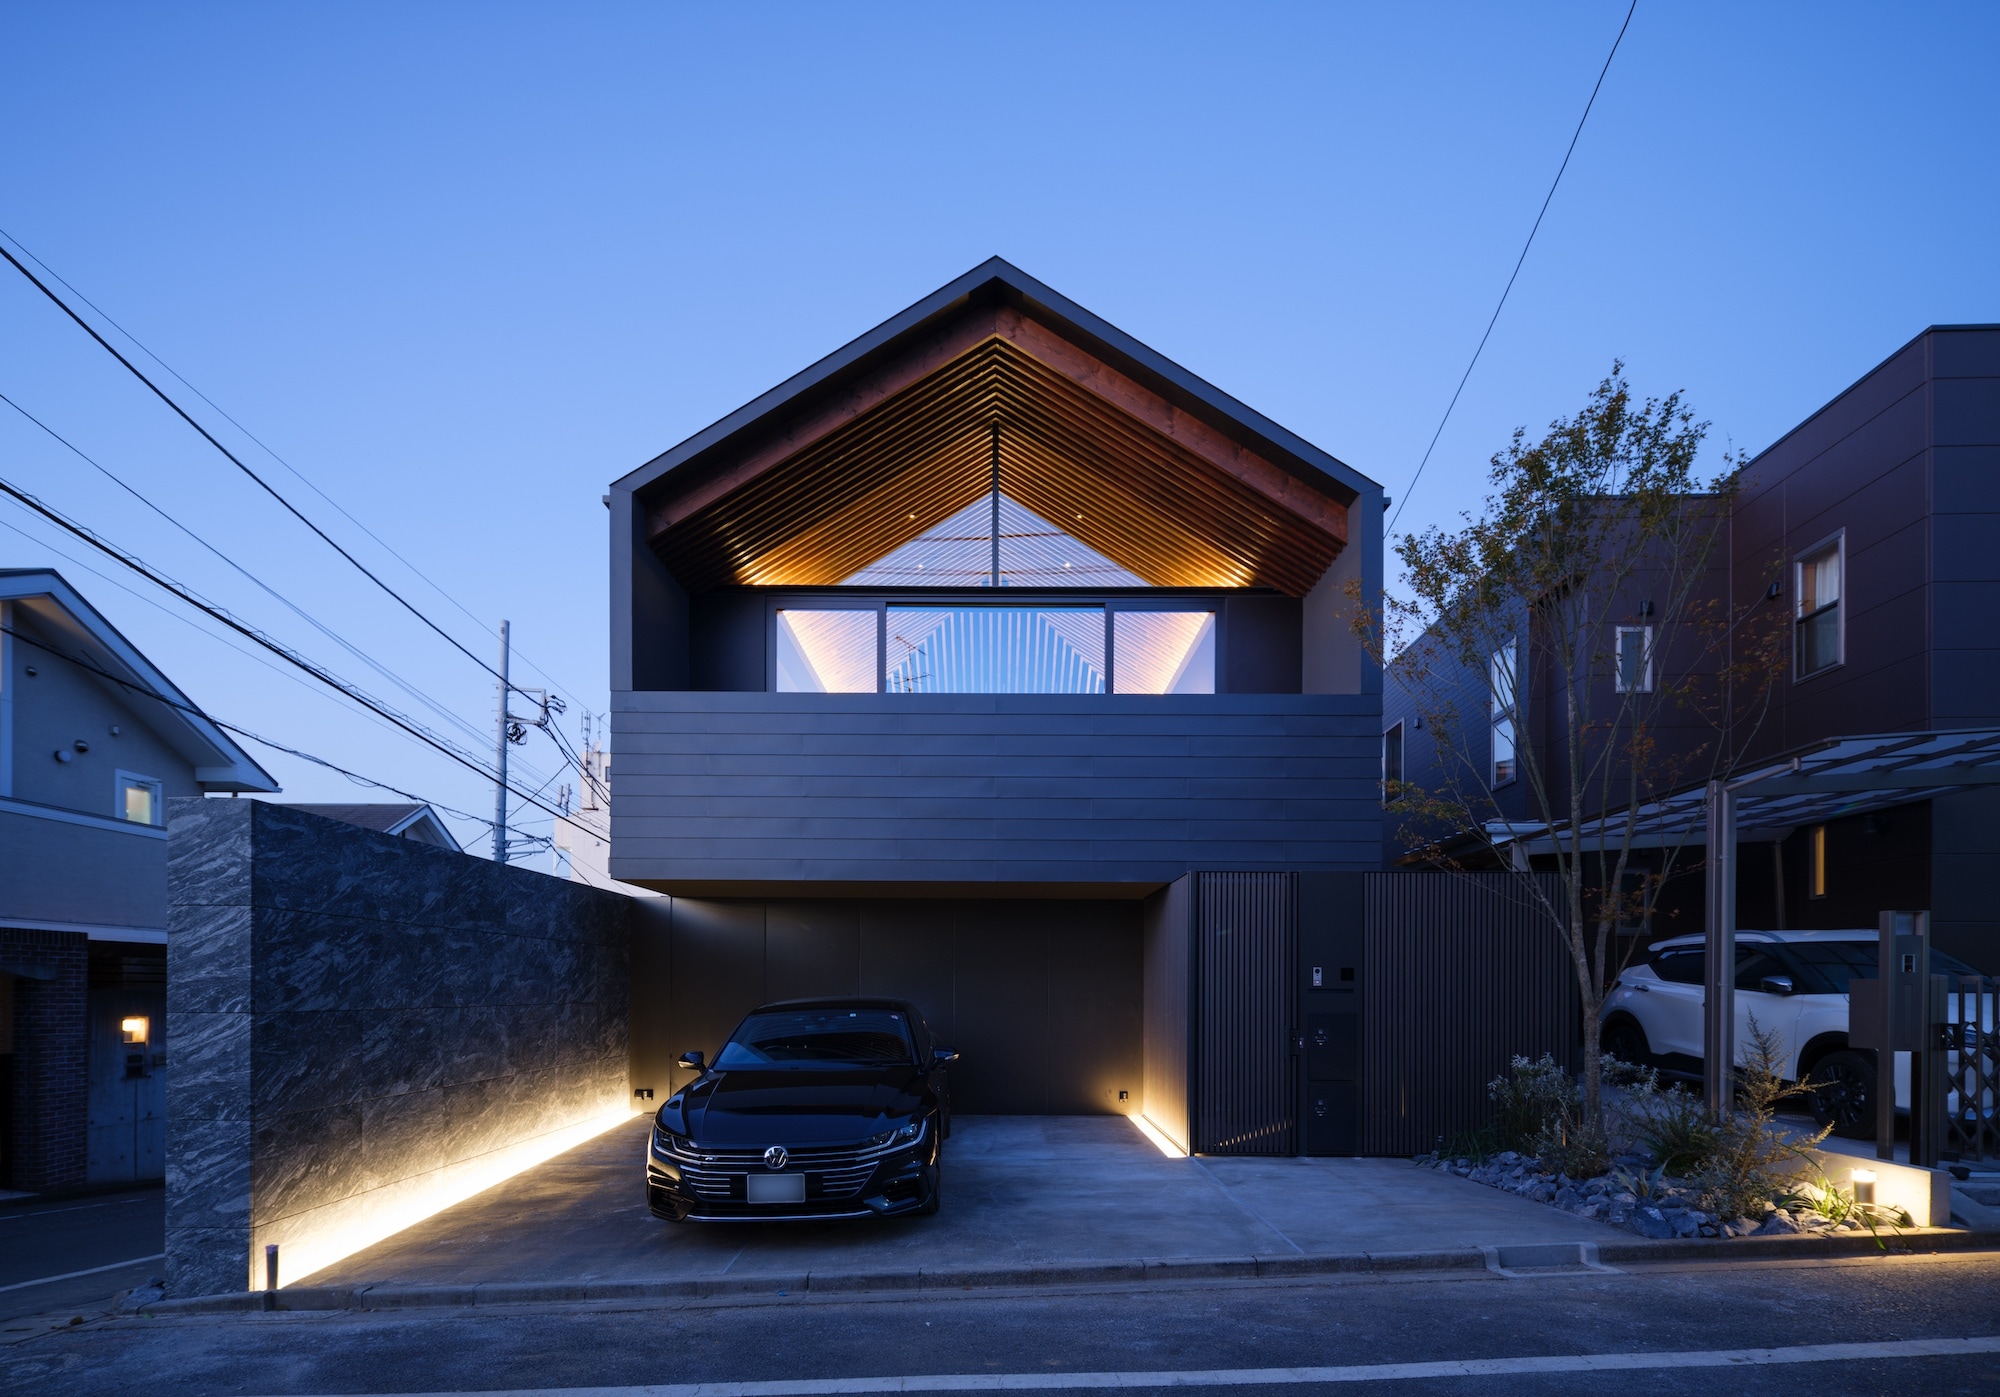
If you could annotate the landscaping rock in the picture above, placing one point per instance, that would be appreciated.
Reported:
(1568, 1199)
(1651, 1222)
(1778, 1225)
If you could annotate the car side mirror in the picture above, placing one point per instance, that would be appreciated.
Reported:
(1775, 984)
(945, 1056)
(694, 1062)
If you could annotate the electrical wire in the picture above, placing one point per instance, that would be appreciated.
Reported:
(252, 634)
(237, 461)
(275, 746)
(261, 445)
(442, 710)
(1403, 503)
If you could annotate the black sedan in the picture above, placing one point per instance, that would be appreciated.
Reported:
(814, 1109)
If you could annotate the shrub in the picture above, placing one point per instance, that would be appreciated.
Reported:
(1537, 1101)
(1752, 1161)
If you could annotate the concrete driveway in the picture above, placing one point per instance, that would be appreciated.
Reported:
(1019, 1191)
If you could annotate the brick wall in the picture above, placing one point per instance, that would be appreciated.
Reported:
(51, 1104)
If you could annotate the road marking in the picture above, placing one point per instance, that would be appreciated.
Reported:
(1270, 1377)
(94, 1270)
(51, 1212)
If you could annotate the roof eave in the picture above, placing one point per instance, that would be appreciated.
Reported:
(1139, 361)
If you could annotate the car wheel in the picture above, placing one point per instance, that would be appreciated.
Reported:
(937, 1192)
(1845, 1098)
(1626, 1041)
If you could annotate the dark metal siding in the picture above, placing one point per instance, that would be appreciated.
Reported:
(1168, 918)
(736, 794)
(1246, 953)
(1042, 998)
(1463, 972)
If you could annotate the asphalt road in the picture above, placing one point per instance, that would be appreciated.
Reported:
(42, 1241)
(799, 1341)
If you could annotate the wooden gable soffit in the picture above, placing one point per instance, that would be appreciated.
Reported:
(963, 337)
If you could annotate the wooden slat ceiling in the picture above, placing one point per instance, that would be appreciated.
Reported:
(1173, 514)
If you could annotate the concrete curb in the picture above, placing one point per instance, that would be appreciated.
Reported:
(1637, 1251)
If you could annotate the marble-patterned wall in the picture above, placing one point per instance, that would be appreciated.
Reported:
(358, 1020)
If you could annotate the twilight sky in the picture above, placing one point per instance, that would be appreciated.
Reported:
(461, 266)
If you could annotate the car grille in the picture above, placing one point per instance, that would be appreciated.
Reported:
(835, 1172)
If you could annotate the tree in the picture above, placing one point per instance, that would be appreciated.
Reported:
(1573, 653)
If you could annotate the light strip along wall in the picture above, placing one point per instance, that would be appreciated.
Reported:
(366, 1030)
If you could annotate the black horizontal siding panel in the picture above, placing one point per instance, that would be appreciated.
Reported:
(886, 789)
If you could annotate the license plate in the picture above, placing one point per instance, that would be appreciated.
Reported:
(775, 1188)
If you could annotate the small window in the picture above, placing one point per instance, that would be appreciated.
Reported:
(1392, 762)
(1816, 859)
(1635, 660)
(1500, 672)
(827, 652)
(1819, 636)
(140, 799)
(1163, 652)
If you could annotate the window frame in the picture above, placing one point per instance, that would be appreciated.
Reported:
(1400, 733)
(1836, 543)
(1113, 601)
(1510, 713)
(123, 781)
(1645, 684)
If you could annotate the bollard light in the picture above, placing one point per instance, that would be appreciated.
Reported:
(1864, 1185)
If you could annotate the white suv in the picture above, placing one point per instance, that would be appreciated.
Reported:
(1794, 983)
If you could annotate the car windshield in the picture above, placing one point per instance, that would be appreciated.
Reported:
(819, 1038)
(1834, 963)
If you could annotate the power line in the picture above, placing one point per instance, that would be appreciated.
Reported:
(262, 446)
(251, 633)
(1404, 502)
(266, 486)
(405, 685)
(275, 746)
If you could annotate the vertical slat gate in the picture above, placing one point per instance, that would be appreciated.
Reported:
(1244, 1068)
(1463, 972)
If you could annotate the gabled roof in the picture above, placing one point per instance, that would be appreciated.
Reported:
(66, 620)
(409, 820)
(893, 433)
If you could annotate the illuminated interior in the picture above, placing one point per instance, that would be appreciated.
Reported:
(826, 652)
(996, 650)
(1164, 652)
(135, 1030)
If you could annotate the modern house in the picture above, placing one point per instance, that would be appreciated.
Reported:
(998, 662)
(93, 741)
(1867, 529)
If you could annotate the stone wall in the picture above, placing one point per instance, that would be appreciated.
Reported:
(50, 1107)
(364, 1029)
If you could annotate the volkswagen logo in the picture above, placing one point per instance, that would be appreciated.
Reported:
(774, 1158)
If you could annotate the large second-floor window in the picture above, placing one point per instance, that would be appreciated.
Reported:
(976, 647)
(1392, 763)
(1818, 623)
(1505, 708)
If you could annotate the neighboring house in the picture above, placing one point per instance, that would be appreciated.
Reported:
(408, 820)
(939, 667)
(93, 739)
(1875, 517)
(583, 835)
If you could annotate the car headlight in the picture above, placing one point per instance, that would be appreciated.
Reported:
(666, 1142)
(901, 1135)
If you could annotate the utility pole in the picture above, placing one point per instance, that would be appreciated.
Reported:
(500, 761)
